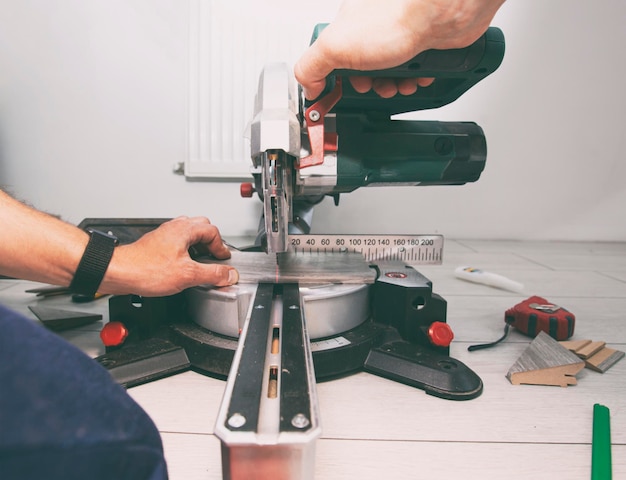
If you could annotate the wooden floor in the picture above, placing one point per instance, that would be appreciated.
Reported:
(374, 428)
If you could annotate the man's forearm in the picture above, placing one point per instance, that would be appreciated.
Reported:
(37, 246)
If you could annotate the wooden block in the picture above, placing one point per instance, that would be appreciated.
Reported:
(575, 345)
(604, 359)
(590, 349)
(304, 268)
(597, 359)
(545, 362)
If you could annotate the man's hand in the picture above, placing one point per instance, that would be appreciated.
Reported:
(159, 262)
(374, 35)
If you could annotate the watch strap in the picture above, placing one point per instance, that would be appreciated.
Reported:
(94, 263)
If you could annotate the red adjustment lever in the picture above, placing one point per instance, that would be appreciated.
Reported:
(113, 334)
(246, 190)
(440, 334)
(314, 116)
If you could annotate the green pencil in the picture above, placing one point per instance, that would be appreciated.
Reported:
(601, 468)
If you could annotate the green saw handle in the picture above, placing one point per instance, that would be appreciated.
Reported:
(455, 71)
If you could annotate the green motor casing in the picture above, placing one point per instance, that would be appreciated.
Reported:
(373, 149)
(404, 152)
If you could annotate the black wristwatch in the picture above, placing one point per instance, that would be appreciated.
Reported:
(94, 263)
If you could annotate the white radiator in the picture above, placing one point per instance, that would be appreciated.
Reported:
(229, 42)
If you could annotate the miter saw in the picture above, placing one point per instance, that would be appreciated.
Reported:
(301, 314)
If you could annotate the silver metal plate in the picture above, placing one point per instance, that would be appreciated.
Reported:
(304, 268)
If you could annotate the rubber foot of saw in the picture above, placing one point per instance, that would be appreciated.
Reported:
(414, 365)
(144, 361)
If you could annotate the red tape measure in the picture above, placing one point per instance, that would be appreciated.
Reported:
(534, 315)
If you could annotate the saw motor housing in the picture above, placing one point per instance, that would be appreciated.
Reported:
(303, 151)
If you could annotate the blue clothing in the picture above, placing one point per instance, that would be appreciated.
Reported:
(62, 416)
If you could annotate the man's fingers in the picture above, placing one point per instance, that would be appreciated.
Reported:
(388, 87)
(205, 233)
(311, 71)
(361, 84)
(425, 82)
(314, 89)
(407, 86)
(218, 275)
(385, 87)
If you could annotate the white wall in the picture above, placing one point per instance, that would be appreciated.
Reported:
(93, 114)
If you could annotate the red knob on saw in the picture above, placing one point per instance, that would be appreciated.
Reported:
(246, 190)
(440, 334)
(113, 334)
